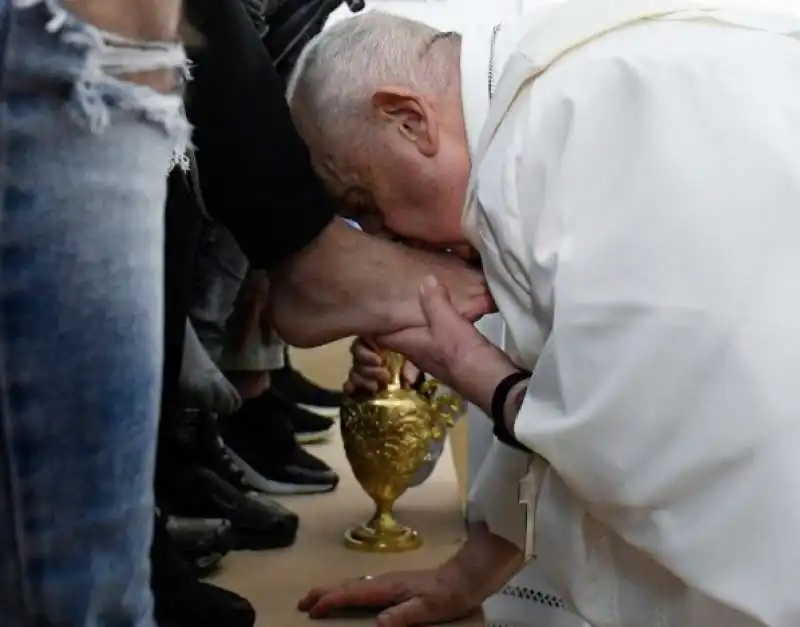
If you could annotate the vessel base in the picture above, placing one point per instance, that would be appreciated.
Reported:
(400, 539)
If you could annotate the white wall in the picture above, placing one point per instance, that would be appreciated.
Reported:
(447, 14)
(457, 14)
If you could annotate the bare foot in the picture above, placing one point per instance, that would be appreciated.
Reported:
(250, 384)
(348, 283)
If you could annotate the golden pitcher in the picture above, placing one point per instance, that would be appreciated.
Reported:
(387, 438)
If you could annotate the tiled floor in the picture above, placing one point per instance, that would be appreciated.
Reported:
(273, 581)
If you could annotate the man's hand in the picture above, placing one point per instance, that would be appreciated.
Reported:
(348, 283)
(481, 567)
(369, 372)
(422, 597)
(451, 349)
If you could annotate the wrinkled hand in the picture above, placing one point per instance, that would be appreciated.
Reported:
(368, 373)
(413, 598)
(448, 346)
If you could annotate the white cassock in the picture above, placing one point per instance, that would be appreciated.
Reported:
(527, 600)
(636, 201)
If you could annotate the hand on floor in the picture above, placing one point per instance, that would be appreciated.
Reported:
(404, 599)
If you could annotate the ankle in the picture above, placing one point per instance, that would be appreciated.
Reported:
(250, 384)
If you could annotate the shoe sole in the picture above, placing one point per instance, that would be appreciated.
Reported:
(244, 540)
(270, 486)
(315, 437)
(326, 412)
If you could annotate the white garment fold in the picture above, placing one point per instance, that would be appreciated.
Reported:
(527, 600)
(637, 207)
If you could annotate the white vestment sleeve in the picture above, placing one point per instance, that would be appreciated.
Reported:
(666, 396)
(494, 499)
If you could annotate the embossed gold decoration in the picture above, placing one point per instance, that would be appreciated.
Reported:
(387, 438)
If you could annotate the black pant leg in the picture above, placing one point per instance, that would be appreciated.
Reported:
(182, 228)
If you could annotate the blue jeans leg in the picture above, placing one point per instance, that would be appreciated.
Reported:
(84, 155)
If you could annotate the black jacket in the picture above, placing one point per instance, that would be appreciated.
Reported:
(254, 170)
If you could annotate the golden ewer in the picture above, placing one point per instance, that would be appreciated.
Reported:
(387, 438)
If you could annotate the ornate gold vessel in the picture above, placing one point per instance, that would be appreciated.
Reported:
(387, 438)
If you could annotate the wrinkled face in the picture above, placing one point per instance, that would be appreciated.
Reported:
(407, 179)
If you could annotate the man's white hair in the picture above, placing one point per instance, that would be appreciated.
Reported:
(341, 68)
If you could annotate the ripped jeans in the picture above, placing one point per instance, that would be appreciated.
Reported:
(84, 155)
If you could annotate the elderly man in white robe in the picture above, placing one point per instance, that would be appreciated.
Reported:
(631, 181)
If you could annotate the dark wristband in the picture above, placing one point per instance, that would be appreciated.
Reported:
(499, 398)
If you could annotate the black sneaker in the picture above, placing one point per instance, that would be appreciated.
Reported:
(197, 492)
(198, 441)
(200, 537)
(293, 386)
(196, 478)
(180, 599)
(264, 447)
(308, 427)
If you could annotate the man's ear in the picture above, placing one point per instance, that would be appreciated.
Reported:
(412, 115)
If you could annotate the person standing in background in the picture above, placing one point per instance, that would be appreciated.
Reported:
(90, 124)
(91, 119)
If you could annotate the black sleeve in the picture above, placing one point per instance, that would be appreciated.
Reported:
(254, 170)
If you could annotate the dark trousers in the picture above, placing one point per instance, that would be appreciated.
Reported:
(182, 231)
